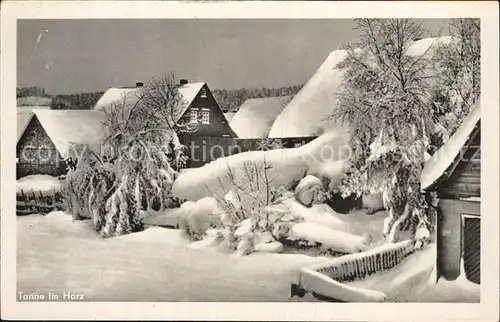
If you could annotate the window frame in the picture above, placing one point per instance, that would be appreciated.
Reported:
(205, 112)
(193, 116)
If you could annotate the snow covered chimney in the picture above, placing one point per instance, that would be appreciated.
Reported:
(183, 82)
(139, 84)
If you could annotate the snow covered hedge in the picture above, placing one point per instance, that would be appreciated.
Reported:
(324, 157)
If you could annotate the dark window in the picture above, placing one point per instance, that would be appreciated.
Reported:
(471, 245)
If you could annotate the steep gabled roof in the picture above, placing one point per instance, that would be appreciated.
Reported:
(68, 128)
(256, 116)
(117, 96)
(439, 163)
(23, 119)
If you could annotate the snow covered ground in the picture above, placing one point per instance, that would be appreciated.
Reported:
(38, 182)
(55, 254)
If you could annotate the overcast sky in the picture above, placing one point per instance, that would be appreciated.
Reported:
(92, 55)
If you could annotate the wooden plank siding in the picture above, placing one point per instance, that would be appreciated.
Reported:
(465, 176)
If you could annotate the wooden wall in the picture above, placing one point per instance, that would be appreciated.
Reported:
(218, 126)
(465, 181)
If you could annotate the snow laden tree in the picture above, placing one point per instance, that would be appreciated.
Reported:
(384, 99)
(458, 82)
(144, 150)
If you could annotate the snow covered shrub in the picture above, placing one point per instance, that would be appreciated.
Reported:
(138, 161)
(199, 217)
(86, 188)
(142, 182)
(248, 218)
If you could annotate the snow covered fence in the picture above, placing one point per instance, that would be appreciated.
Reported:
(31, 201)
(361, 265)
(326, 278)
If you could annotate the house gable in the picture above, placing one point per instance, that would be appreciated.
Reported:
(218, 125)
(36, 152)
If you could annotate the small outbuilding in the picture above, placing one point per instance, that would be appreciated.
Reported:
(454, 173)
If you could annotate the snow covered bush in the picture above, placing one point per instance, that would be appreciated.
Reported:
(144, 147)
(249, 220)
(198, 217)
(134, 173)
(86, 186)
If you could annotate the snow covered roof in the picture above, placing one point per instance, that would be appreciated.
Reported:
(256, 116)
(437, 165)
(309, 111)
(33, 101)
(35, 107)
(67, 128)
(229, 116)
(23, 119)
(132, 94)
(305, 114)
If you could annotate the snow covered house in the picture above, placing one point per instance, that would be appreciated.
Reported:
(34, 101)
(256, 116)
(308, 113)
(454, 172)
(46, 137)
(198, 106)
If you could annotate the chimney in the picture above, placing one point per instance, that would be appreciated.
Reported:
(183, 82)
(139, 84)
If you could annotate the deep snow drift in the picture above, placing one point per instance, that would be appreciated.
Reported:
(57, 254)
(325, 156)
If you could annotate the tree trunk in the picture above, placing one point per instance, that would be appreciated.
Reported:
(395, 228)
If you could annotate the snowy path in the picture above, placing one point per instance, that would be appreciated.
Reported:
(57, 255)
